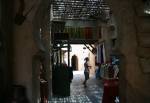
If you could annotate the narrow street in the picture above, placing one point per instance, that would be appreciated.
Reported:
(79, 94)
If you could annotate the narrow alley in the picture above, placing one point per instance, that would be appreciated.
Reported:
(43, 41)
(79, 94)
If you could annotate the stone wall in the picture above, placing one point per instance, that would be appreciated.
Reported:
(133, 48)
(134, 76)
(28, 45)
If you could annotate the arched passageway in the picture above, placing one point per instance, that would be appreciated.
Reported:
(25, 43)
(81, 29)
(132, 49)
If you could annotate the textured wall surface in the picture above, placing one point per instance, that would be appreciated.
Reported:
(134, 48)
(27, 44)
(133, 29)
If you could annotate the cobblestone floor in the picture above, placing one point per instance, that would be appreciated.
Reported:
(79, 94)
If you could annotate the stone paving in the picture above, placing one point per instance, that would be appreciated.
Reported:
(79, 94)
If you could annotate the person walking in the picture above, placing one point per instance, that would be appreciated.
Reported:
(86, 71)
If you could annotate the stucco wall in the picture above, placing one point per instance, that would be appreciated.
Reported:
(24, 49)
(134, 84)
(27, 44)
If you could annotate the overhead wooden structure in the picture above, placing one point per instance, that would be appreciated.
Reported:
(80, 9)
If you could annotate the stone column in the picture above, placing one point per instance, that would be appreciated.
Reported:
(46, 39)
(42, 39)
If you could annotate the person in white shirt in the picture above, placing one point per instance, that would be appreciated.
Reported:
(86, 71)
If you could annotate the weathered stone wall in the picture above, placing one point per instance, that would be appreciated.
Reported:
(27, 47)
(42, 22)
(24, 49)
(133, 40)
(134, 81)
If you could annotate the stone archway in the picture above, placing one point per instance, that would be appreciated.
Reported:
(134, 83)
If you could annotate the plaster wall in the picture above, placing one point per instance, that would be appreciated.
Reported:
(106, 38)
(134, 84)
(24, 49)
(132, 33)
(27, 47)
